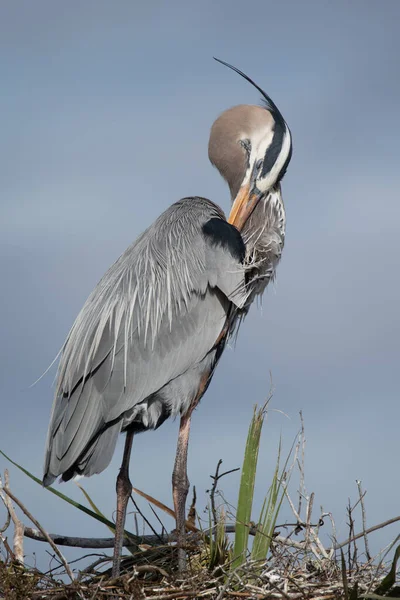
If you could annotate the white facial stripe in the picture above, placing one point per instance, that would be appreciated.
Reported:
(261, 145)
(267, 182)
(260, 142)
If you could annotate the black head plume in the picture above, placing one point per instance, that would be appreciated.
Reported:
(270, 104)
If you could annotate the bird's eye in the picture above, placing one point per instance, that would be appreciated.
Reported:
(246, 144)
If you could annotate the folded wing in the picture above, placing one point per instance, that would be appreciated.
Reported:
(151, 320)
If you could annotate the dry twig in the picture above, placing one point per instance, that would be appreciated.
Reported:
(42, 531)
(364, 519)
(18, 542)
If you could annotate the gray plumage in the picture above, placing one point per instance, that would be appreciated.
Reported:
(152, 328)
(144, 337)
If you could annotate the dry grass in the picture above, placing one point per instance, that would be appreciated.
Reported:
(290, 572)
(297, 564)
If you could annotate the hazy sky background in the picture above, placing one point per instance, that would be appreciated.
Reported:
(105, 112)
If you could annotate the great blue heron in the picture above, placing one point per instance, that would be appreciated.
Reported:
(145, 344)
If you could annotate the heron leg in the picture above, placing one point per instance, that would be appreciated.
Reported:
(180, 487)
(124, 490)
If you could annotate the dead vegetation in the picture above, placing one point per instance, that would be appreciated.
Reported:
(286, 560)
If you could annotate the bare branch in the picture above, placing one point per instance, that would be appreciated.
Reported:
(215, 479)
(8, 518)
(352, 560)
(43, 532)
(301, 463)
(310, 503)
(18, 543)
(101, 543)
(74, 542)
(364, 519)
(367, 531)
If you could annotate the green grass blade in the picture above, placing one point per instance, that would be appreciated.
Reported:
(211, 539)
(246, 490)
(268, 515)
(219, 543)
(77, 505)
(390, 578)
(222, 539)
(271, 508)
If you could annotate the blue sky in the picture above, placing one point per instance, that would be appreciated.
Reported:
(105, 114)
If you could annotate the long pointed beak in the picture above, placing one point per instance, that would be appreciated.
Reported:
(243, 206)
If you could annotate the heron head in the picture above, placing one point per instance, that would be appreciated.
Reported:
(251, 146)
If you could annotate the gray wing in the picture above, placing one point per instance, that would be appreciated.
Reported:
(154, 316)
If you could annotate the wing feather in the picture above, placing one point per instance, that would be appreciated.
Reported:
(155, 314)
